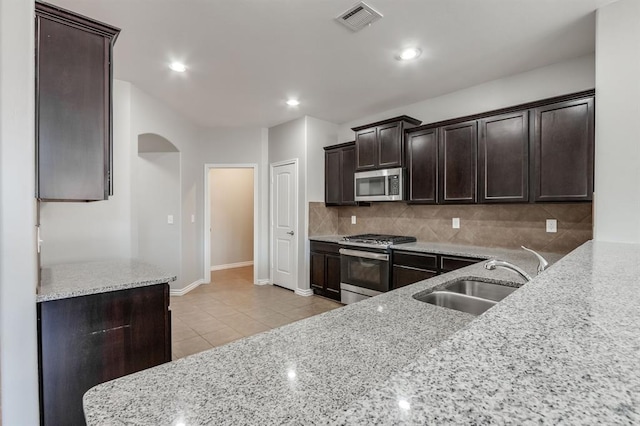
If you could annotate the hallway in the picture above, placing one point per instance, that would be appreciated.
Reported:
(232, 307)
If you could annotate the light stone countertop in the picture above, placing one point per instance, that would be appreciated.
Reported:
(83, 278)
(302, 373)
(563, 349)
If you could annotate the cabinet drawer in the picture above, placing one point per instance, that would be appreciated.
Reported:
(415, 260)
(451, 263)
(404, 275)
(325, 247)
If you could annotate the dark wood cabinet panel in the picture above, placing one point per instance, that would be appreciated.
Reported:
(339, 170)
(503, 158)
(403, 275)
(422, 166)
(84, 341)
(325, 269)
(73, 106)
(451, 263)
(458, 163)
(380, 145)
(563, 150)
(367, 149)
(416, 260)
(333, 275)
(390, 149)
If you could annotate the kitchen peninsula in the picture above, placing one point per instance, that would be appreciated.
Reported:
(562, 348)
(98, 321)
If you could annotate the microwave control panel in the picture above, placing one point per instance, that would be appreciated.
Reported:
(394, 185)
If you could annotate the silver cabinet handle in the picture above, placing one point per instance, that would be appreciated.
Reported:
(364, 254)
(290, 232)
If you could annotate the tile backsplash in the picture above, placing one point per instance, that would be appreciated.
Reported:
(494, 225)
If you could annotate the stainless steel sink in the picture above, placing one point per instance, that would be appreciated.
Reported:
(482, 289)
(460, 302)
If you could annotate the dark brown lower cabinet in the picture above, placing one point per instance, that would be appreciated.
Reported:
(411, 267)
(325, 269)
(84, 341)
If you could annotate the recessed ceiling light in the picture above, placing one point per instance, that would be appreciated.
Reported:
(178, 66)
(293, 102)
(409, 54)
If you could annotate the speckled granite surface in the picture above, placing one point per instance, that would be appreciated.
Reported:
(80, 279)
(302, 373)
(564, 349)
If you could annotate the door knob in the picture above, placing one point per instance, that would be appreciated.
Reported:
(290, 232)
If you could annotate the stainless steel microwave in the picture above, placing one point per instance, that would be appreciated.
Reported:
(380, 185)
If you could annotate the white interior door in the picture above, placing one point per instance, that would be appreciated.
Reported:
(284, 223)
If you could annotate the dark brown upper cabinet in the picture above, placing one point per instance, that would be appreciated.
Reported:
(503, 158)
(380, 145)
(422, 166)
(563, 148)
(339, 168)
(458, 163)
(73, 105)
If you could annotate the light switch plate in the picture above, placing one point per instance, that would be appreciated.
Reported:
(552, 225)
(455, 223)
(193, 218)
(353, 220)
(170, 219)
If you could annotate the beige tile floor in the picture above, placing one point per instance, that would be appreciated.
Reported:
(232, 307)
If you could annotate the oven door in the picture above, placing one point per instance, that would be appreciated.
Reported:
(364, 271)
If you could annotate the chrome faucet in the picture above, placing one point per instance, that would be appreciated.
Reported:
(542, 265)
(493, 264)
(542, 262)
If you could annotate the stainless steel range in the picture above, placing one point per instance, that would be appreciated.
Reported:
(364, 265)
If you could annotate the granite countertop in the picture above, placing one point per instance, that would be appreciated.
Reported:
(80, 279)
(562, 349)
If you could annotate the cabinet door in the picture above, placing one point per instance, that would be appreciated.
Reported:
(366, 149)
(451, 263)
(563, 151)
(503, 158)
(457, 174)
(404, 275)
(73, 106)
(317, 270)
(84, 341)
(348, 168)
(422, 165)
(333, 276)
(332, 174)
(390, 145)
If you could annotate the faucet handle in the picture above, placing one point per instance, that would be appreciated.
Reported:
(542, 262)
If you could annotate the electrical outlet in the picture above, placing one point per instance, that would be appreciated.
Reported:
(552, 225)
(193, 218)
(353, 220)
(455, 223)
(170, 219)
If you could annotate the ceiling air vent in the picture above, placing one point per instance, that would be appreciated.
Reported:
(359, 16)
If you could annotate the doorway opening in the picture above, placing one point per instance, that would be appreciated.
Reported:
(230, 216)
(157, 203)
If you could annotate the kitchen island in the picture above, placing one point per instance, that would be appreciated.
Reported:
(563, 347)
(97, 321)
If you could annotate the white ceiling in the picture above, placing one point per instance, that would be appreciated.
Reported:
(246, 57)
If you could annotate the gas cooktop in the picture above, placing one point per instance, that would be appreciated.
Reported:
(379, 239)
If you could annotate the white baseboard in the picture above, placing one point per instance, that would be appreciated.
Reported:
(184, 290)
(231, 265)
(303, 292)
(263, 281)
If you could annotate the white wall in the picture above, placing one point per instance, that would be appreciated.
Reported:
(157, 196)
(288, 141)
(98, 230)
(558, 79)
(617, 176)
(231, 216)
(18, 344)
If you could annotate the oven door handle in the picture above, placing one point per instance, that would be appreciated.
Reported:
(364, 254)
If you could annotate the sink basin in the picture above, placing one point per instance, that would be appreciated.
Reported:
(482, 289)
(460, 302)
